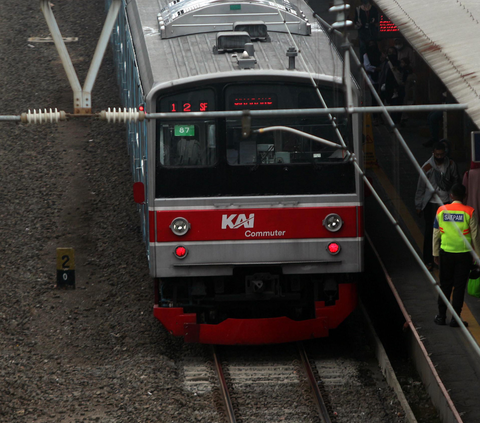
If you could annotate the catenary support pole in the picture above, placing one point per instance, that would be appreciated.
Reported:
(82, 98)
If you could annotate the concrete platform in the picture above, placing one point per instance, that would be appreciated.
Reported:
(457, 364)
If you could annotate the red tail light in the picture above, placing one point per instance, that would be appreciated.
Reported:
(181, 252)
(333, 248)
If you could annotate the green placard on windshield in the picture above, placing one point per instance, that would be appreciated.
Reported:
(184, 130)
(235, 7)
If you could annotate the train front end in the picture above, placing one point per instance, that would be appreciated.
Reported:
(254, 238)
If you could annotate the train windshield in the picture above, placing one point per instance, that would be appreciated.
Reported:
(215, 155)
(288, 144)
(280, 146)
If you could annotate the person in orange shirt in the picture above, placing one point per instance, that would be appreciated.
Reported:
(452, 252)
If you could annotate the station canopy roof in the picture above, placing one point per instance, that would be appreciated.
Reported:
(446, 34)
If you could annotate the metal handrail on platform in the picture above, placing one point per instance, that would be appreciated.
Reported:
(384, 110)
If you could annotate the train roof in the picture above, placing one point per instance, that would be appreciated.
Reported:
(182, 40)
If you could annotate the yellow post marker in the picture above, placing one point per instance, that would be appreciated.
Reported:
(369, 146)
(66, 268)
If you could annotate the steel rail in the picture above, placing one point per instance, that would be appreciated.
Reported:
(320, 403)
(223, 387)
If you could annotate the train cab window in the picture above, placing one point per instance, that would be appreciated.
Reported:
(187, 144)
(281, 147)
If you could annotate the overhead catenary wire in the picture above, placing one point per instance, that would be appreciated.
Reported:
(312, 79)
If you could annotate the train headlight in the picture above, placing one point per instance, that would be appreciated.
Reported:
(180, 226)
(333, 222)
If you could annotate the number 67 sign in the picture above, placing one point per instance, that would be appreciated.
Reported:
(65, 268)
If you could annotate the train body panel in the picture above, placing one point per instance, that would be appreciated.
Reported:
(260, 331)
(166, 61)
(252, 237)
(294, 238)
(302, 256)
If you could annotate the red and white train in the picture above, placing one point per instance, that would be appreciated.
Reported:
(253, 236)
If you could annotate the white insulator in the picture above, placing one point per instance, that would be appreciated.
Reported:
(125, 115)
(342, 24)
(339, 8)
(47, 116)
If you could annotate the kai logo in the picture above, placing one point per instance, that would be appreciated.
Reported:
(241, 220)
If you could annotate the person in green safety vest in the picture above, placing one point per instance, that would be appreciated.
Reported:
(451, 251)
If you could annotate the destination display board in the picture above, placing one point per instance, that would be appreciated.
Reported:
(387, 27)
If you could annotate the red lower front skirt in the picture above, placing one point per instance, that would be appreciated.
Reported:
(260, 331)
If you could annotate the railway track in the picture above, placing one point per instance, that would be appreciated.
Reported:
(256, 383)
(336, 379)
(256, 389)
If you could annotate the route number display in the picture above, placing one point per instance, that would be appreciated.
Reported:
(184, 130)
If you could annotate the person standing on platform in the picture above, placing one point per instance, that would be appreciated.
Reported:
(371, 63)
(442, 173)
(436, 95)
(452, 253)
(409, 81)
(367, 23)
(471, 181)
(389, 78)
(404, 51)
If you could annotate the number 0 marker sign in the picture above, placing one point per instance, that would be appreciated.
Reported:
(65, 268)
